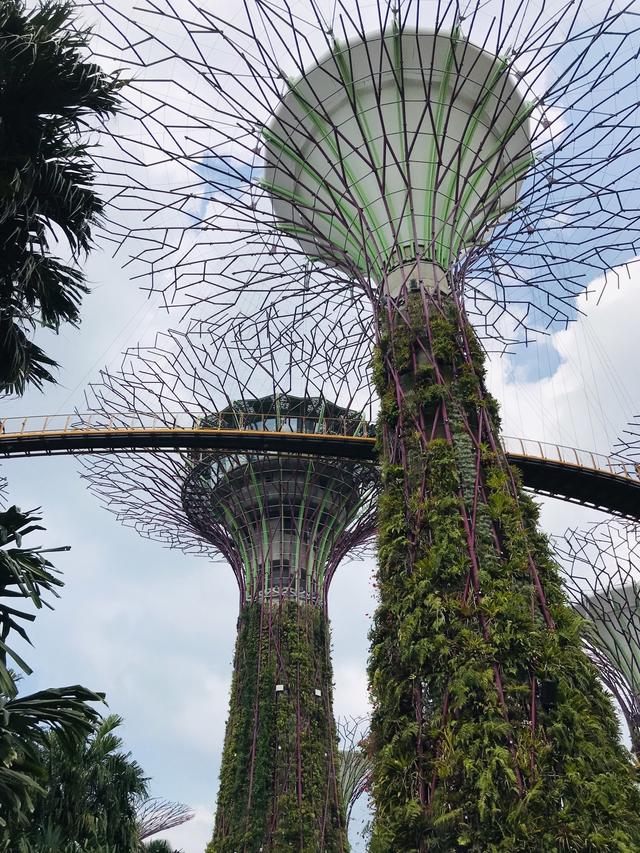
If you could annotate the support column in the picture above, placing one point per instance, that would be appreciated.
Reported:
(490, 729)
(278, 786)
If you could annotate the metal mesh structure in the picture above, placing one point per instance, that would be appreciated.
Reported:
(601, 569)
(214, 133)
(355, 765)
(283, 521)
(209, 381)
(156, 815)
(628, 445)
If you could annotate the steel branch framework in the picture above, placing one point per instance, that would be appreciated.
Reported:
(628, 445)
(355, 764)
(197, 377)
(601, 567)
(191, 200)
(157, 815)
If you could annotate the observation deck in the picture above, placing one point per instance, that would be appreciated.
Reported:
(580, 476)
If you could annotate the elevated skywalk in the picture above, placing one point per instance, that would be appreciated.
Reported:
(581, 476)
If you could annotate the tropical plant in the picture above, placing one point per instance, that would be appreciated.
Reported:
(267, 725)
(91, 793)
(159, 846)
(490, 730)
(26, 722)
(25, 573)
(47, 97)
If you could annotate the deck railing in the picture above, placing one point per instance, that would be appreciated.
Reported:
(14, 427)
(135, 421)
(550, 452)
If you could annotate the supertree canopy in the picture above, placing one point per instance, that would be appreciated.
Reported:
(380, 177)
(155, 815)
(494, 140)
(375, 195)
(355, 766)
(283, 521)
(601, 571)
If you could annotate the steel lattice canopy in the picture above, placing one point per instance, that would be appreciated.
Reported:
(401, 147)
(611, 625)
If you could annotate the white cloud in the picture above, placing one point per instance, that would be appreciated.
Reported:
(590, 397)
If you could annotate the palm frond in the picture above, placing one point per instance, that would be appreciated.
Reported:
(25, 573)
(50, 95)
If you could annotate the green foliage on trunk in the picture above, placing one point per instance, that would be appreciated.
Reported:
(278, 790)
(455, 766)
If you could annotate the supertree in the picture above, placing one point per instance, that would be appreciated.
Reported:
(357, 174)
(601, 571)
(155, 815)
(283, 521)
(355, 765)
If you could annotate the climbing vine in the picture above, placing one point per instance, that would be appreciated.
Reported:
(278, 788)
(490, 729)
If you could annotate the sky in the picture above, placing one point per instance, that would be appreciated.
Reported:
(154, 629)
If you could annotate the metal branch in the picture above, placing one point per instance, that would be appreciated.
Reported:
(601, 572)
(157, 815)
(355, 765)
(191, 208)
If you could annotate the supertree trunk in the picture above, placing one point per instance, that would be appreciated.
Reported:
(490, 730)
(278, 783)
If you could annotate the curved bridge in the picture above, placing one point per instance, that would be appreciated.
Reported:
(580, 476)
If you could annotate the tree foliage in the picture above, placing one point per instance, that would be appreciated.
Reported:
(48, 94)
(91, 792)
(26, 722)
(159, 846)
(26, 575)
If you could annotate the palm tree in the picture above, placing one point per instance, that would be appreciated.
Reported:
(26, 722)
(91, 793)
(25, 573)
(48, 96)
(159, 846)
